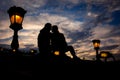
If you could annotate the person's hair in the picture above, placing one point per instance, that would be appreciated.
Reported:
(55, 28)
(47, 26)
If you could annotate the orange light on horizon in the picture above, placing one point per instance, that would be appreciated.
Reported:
(104, 55)
(56, 53)
(14, 50)
(32, 51)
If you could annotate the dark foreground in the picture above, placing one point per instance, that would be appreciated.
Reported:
(30, 66)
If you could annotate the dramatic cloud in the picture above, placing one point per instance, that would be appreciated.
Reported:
(81, 21)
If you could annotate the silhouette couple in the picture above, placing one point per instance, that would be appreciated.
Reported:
(50, 41)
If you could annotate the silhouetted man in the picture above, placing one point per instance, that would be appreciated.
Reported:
(44, 40)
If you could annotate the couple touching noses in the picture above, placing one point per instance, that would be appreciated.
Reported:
(51, 40)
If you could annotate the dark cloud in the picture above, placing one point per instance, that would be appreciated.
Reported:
(29, 45)
(5, 46)
(5, 40)
(76, 35)
(111, 47)
(104, 10)
(1, 31)
(117, 56)
(115, 32)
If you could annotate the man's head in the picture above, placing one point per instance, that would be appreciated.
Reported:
(48, 26)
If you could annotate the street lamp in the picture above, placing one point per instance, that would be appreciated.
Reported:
(16, 15)
(105, 55)
(56, 53)
(96, 44)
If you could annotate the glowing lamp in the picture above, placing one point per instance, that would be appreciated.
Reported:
(16, 19)
(16, 15)
(104, 55)
(32, 51)
(56, 53)
(96, 44)
(14, 50)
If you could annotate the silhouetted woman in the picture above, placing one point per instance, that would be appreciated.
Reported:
(59, 45)
(58, 41)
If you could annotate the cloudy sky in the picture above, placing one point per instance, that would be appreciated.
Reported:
(81, 21)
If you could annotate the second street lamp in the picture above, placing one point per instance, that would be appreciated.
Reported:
(105, 55)
(96, 44)
(16, 15)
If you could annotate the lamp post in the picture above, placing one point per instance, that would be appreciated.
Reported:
(96, 44)
(16, 15)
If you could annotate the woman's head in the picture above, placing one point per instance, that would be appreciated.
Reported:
(54, 28)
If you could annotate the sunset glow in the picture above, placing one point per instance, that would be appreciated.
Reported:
(81, 21)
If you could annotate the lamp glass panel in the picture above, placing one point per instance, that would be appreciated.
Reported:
(96, 44)
(16, 19)
(57, 53)
(104, 55)
(12, 19)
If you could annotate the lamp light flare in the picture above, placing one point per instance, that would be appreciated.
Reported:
(56, 53)
(96, 44)
(16, 19)
(104, 55)
(14, 50)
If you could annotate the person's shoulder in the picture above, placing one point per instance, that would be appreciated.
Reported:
(61, 33)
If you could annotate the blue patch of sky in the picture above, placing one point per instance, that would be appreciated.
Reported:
(5, 4)
(116, 18)
(76, 8)
(67, 10)
(78, 11)
(25, 30)
(81, 7)
(34, 12)
(50, 6)
(98, 8)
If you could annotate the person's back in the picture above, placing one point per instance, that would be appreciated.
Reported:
(44, 40)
